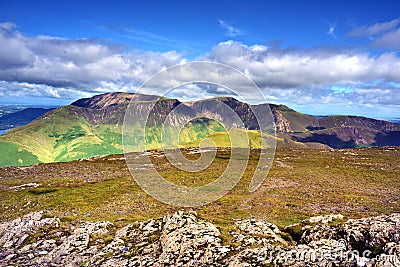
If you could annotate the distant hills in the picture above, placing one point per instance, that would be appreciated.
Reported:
(395, 120)
(93, 126)
(21, 117)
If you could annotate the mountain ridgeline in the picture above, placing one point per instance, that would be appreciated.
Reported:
(93, 126)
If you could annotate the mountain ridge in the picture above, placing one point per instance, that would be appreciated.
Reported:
(111, 99)
(93, 126)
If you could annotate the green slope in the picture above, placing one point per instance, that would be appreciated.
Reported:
(61, 135)
(68, 133)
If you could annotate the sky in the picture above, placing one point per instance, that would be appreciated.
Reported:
(318, 57)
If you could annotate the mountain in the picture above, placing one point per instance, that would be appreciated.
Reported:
(350, 131)
(111, 99)
(395, 120)
(21, 117)
(93, 126)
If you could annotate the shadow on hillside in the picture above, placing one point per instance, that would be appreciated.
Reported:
(331, 140)
(387, 139)
(315, 128)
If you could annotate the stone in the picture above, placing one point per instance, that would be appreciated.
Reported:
(183, 239)
(324, 218)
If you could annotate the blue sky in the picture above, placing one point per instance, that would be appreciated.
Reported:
(319, 57)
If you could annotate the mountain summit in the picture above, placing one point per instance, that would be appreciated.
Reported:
(111, 99)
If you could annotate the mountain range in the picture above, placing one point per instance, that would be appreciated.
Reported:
(93, 126)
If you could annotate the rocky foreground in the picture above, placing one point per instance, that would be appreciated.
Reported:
(183, 239)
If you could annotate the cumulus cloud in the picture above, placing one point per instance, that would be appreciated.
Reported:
(230, 31)
(47, 66)
(73, 64)
(198, 91)
(295, 68)
(300, 76)
(24, 89)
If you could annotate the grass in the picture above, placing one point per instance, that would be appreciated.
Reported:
(12, 154)
(302, 183)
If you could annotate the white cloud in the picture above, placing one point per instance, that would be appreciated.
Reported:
(24, 89)
(73, 68)
(293, 68)
(390, 40)
(384, 34)
(306, 76)
(7, 25)
(73, 63)
(198, 91)
(230, 31)
(375, 29)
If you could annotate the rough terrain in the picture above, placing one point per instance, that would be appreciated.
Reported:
(184, 239)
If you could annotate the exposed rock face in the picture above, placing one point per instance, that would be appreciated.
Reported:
(15, 232)
(282, 125)
(182, 239)
(216, 108)
(110, 108)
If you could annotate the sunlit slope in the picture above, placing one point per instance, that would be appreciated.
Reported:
(60, 135)
(67, 134)
(251, 138)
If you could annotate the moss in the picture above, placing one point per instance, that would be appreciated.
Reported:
(67, 219)
(106, 238)
(294, 232)
(108, 255)
(154, 237)
(336, 223)
(286, 237)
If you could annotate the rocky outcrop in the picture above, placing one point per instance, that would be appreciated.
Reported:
(183, 239)
(282, 125)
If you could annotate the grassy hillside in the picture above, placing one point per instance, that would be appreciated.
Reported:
(60, 135)
(301, 182)
(65, 135)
